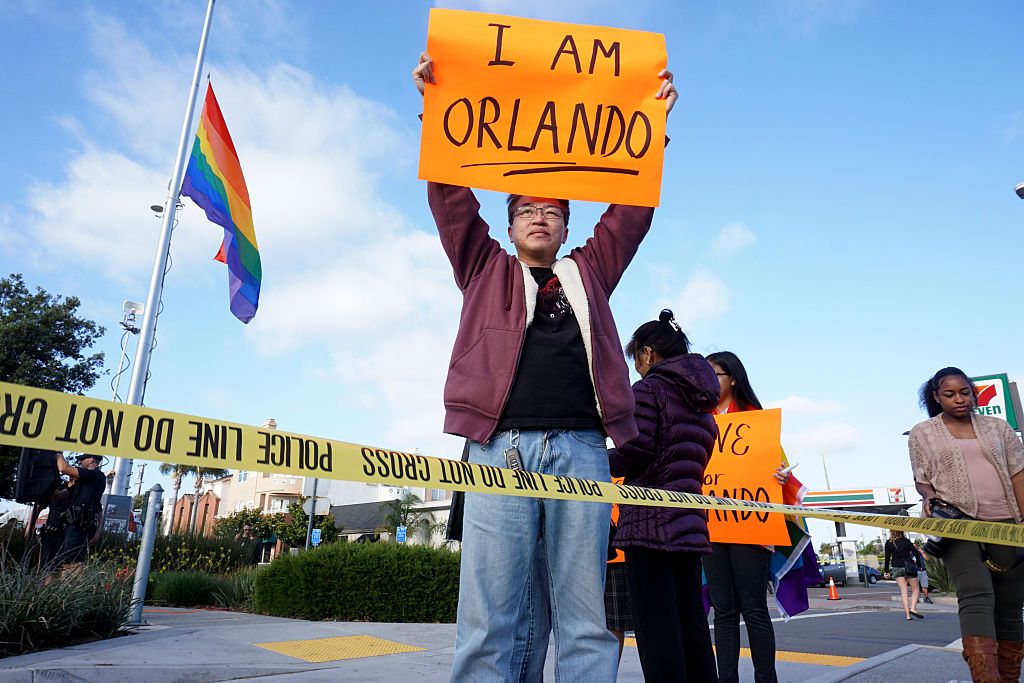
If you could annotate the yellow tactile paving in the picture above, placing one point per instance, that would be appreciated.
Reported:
(798, 657)
(339, 647)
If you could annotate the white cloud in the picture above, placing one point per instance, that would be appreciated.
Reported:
(704, 300)
(732, 238)
(831, 437)
(804, 405)
(345, 273)
(406, 369)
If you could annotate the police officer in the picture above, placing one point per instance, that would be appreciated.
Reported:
(83, 508)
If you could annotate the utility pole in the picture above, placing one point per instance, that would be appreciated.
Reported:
(142, 471)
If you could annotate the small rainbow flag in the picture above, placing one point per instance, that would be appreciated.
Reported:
(214, 181)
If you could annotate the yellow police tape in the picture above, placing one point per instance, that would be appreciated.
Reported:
(50, 420)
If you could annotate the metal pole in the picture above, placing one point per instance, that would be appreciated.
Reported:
(137, 390)
(312, 514)
(825, 467)
(122, 466)
(145, 553)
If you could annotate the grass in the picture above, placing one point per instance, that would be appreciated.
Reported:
(39, 609)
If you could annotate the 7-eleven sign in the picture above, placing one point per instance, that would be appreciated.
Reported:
(993, 397)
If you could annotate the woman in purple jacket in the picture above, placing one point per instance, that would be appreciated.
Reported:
(674, 400)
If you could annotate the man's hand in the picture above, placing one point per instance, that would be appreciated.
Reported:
(781, 474)
(64, 468)
(424, 72)
(666, 92)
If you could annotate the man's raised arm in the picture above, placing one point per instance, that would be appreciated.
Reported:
(618, 234)
(464, 234)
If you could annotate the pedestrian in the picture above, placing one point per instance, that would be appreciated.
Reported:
(617, 605)
(922, 575)
(902, 557)
(536, 381)
(738, 574)
(972, 466)
(675, 398)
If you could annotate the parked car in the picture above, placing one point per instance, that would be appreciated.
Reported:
(837, 572)
(874, 576)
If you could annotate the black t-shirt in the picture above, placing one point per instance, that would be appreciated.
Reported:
(88, 491)
(552, 388)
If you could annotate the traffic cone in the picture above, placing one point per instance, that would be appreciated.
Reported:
(833, 594)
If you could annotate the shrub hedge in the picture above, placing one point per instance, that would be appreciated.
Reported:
(386, 582)
(180, 553)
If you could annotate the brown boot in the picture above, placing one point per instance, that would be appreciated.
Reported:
(982, 658)
(1010, 656)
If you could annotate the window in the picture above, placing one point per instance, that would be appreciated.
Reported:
(242, 476)
(437, 494)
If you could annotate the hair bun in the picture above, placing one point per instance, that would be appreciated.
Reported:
(666, 316)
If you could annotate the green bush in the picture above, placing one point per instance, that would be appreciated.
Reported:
(385, 582)
(40, 610)
(185, 589)
(238, 590)
(180, 553)
(938, 578)
(200, 589)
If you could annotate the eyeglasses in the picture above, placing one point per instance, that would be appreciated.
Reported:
(551, 213)
(723, 374)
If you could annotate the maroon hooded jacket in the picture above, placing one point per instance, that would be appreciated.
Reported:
(498, 301)
(677, 432)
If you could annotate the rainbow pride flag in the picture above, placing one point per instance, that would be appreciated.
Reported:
(214, 181)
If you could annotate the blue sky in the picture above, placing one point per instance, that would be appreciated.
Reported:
(837, 204)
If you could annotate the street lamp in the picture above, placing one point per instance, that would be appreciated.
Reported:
(1019, 190)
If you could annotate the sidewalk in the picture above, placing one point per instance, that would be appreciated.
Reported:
(181, 645)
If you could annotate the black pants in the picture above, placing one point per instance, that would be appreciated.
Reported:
(989, 602)
(76, 544)
(672, 632)
(738, 578)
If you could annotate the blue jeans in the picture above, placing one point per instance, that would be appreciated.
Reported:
(503, 536)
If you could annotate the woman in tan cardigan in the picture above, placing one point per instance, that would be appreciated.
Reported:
(975, 463)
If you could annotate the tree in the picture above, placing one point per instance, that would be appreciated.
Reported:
(43, 344)
(263, 526)
(177, 473)
(202, 474)
(874, 547)
(294, 533)
(403, 511)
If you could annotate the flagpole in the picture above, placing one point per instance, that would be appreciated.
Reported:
(147, 332)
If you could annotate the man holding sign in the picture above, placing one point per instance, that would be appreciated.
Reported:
(536, 382)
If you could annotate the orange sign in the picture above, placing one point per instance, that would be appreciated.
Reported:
(746, 455)
(543, 108)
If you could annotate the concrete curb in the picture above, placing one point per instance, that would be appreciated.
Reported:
(33, 660)
(849, 671)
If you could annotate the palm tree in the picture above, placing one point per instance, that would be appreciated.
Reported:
(202, 474)
(403, 512)
(177, 473)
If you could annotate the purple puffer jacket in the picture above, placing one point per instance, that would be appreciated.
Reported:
(673, 413)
